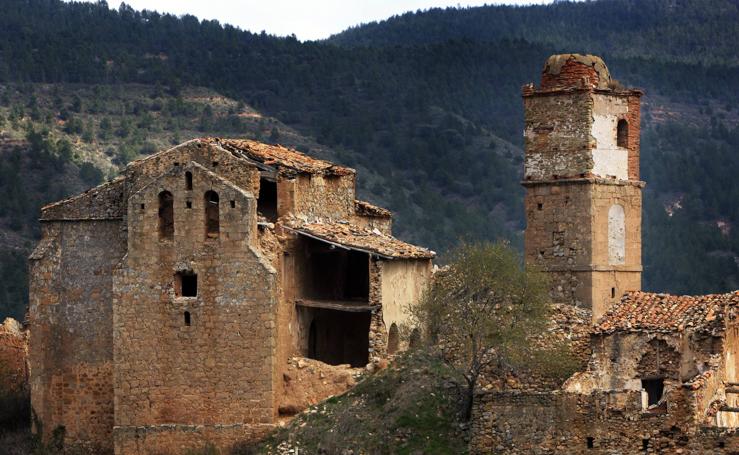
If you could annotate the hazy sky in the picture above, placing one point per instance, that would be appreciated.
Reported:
(307, 19)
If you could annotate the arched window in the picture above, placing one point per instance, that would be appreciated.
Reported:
(166, 215)
(212, 222)
(188, 180)
(393, 339)
(616, 235)
(622, 133)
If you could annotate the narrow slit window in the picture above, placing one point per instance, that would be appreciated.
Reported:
(212, 216)
(613, 293)
(187, 318)
(188, 180)
(166, 215)
(622, 133)
(186, 284)
(590, 442)
(188, 204)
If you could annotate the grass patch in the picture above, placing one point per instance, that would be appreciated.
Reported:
(412, 407)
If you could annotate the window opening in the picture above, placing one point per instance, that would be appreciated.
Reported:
(186, 284)
(212, 221)
(539, 206)
(622, 133)
(143, 206)
(267, 201)
(613, 293)
(645, 444)
(187, 318)
(233, 204)
(188, 204)
(654, 388)
(188, 180)
(215, 163)
(166, 215)
(590, 442)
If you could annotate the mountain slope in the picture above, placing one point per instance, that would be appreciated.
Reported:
(433, 125)
(691, 31)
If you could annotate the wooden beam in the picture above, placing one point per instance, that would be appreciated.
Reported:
(338, 305)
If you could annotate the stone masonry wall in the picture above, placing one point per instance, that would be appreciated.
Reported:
(557, 136)
(611, 280)
(179, 384)
(607, 423)
(321, 197)
(70, 318)
(13, 357)
(558, 237)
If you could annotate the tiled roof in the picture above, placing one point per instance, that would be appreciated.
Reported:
(279, 156)
(367, 209)
(646, 311)
(358, 238)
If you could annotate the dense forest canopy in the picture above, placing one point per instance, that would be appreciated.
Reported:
(426, 105)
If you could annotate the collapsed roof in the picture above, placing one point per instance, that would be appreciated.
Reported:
(351, 237)
(284, 159)
(647, 311)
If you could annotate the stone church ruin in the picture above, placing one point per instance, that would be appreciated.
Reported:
(167, 306)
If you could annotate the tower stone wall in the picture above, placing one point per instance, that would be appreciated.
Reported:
(581, 173)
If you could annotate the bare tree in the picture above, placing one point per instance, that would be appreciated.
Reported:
(484, 312)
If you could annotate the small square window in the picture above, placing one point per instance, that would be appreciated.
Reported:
(233, 204)
(215, 163)
(143, 206)
(539, 206)
(176, 163)
(186, 284)
(654, 388)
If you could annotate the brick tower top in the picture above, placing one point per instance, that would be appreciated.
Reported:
(564, 71)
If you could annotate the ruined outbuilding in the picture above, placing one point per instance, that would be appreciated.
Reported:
(659, 371)
(168, 306)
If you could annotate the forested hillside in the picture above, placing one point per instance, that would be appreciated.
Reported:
(427, 106)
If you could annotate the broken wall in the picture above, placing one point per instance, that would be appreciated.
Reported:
(606, 422)
(315, 196)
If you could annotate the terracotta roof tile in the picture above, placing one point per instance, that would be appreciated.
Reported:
(358, 238)
(646, 311)
(367, 209)
(279, 156)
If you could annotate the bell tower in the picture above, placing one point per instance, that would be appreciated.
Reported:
(581, 173)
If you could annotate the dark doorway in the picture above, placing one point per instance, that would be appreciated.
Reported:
(338, 337)
(312, 336)
(267, 201)
(654, 388)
